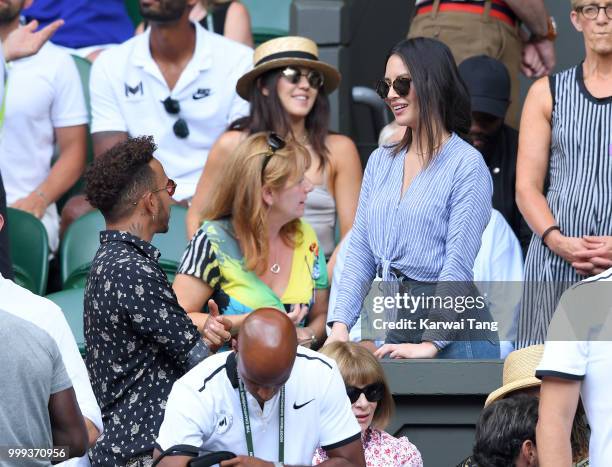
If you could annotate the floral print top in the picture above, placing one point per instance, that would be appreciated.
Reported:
(139, 342)
(382, 450)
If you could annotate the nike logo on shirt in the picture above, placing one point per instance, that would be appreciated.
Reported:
(296, 406)
(200, 93)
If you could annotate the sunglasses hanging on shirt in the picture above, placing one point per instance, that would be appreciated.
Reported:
(173, 107)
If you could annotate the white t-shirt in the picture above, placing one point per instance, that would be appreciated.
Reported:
(589, 361)
(44, 92)
(204, 411)
(127, 90)
(49, 317)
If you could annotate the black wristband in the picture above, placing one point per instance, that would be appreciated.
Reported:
(549, 230)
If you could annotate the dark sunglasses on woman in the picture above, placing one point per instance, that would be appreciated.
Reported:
(373, 392)
(275, 143)
(401, 86)
(293, 75)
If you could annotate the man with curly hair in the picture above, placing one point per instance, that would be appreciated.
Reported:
(139, 340)
(505, 433)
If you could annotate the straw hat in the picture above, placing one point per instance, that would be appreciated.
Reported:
(285, 51)
(519, 372)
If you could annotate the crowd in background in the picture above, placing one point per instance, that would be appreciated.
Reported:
(290, 237)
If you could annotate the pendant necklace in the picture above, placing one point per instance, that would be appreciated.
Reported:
(275, 268)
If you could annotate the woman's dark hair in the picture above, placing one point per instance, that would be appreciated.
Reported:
(443, 98)
(268, 114)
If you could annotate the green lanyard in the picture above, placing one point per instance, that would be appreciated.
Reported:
(247, 422)
(3, 106)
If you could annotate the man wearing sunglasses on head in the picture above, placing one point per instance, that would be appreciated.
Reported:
(139, 340)
(176, 81)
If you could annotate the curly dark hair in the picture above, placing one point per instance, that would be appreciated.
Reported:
(502, 428)
(118, 177)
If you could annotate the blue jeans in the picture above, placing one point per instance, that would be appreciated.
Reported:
(469, 350)
(465, 344)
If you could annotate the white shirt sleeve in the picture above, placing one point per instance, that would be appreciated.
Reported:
(189, 418)
(75, 367)
(239, 107)
(565, 359)
(338, 424)
(68, 108)
(105, 112)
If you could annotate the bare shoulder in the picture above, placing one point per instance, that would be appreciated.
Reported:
(237, 10)
(539, 97)
(229, 140)
(342, 149)
(337, 142)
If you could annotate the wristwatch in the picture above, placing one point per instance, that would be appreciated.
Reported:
(551, 34)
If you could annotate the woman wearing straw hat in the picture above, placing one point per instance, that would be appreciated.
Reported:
(288, 89)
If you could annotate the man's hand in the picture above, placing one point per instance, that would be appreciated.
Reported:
(33, 203)
(216, 331)
(246, 461)
(531, 64)
(298, 313)
(23, 42)
(538, 58)
(596, 257)
(304, 336)
(422, 350)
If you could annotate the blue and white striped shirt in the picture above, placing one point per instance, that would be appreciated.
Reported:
(431, 233)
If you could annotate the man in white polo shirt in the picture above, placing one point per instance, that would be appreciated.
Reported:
(270, 403)
(577, 363)
(44, 105)
(49, 317)
(176, 82)
(22, 42)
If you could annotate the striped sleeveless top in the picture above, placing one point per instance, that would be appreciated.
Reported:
(579, 195)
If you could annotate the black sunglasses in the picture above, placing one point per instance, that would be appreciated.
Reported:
(293, 75)
(275, 143)
(373, 392)
(401, 86)
(180, 128)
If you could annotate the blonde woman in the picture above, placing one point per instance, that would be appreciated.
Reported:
(372, 404)
(252, 250)
(229, 18)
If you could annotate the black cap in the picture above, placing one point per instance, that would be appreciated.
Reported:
(488, 83)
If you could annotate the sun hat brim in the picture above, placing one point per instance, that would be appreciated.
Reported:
(331, 76)
(525, 383)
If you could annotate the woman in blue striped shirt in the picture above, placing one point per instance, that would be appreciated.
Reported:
(424, 202)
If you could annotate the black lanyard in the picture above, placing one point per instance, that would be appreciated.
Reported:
(247, 422)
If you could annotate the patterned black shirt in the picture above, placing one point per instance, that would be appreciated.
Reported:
(139, 341)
